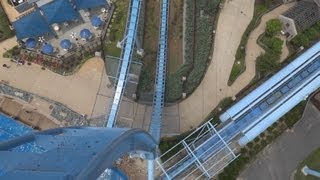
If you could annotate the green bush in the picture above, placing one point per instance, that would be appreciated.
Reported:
(267, 63)
(273, 27)
(117, 28)
(5, 31)
(237, 69)
(300, 40)
(15, 51)
(198, 43)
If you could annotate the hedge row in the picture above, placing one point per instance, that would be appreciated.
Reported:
(198, 43)
(307, 37)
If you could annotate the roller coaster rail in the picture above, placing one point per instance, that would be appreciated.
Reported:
(126, 57)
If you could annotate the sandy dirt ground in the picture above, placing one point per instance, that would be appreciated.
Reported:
(234, 18)
(28, 113)
(78, 91)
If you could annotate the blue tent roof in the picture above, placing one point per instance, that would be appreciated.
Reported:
(84, 4)
(96, 21)
(65, 44)
(31, 43)
(85, 33)
(31, 25)
(59, 11)
(47, 48)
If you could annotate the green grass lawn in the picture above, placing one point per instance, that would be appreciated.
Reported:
(5, 31)
(117, 28)
(313, 162)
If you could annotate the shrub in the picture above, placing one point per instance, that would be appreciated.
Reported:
(300, 40)
(267, 63)
(273, 27)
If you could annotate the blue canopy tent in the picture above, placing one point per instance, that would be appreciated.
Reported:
(31, 43)
(32, 25)
(59, 11)
(96, 21)
(65, 44)
(85, 34)
(85, 4)
(47, 49)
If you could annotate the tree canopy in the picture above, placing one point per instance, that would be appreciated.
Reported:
(273, 27)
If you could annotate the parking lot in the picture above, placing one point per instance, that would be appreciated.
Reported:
(279, 160)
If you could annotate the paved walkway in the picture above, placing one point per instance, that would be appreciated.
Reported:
(279, 160)
(233, 20)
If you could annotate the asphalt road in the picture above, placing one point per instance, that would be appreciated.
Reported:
(280, 159)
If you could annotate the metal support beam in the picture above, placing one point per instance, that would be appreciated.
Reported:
(224, 142)
(198, 161)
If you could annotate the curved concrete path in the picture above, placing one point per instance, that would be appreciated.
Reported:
(233, 20)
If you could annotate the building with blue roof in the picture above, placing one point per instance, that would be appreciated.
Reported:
(85, 4)
(96, 21)
(31, 43)
(59, 11)
(47, 49)
(32, 25)
(66, 44)
(85, 34)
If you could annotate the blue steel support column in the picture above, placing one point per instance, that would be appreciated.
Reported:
(158, 98)
(159, 88)
(126, 56)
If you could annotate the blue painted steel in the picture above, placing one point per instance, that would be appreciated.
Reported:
(159, 88)
(31, 43)
(96, 21)
(47, 48)
(303, 77)
(85, 4)
(32, 25)
(65, 44)
(236, 110)
(59, 11)
(126, 55)
(75, 152)
(10, 128)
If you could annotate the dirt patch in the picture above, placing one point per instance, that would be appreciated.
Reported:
(26, 115)
(175, 35)
(135, 169)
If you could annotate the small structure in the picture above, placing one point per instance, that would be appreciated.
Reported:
(96, 22)
(21, 5)
(66, 44)
(47, 49)
(31, 43)
(85, 34)
(307, 171)
(300, 17)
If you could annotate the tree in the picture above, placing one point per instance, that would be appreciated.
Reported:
(276, 44)
(273, 27)
(301, 40)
